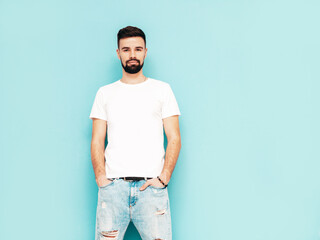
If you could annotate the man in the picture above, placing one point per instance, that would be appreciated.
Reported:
(132, 173)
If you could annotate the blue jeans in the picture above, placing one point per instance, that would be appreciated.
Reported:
(121, 201)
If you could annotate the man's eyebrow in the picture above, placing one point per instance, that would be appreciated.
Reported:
(129, 47)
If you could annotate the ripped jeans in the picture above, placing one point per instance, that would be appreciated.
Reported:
(121, 201)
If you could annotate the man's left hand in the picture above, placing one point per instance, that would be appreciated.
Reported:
(153, 182)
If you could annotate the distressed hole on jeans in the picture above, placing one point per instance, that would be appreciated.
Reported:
(160, 212)
(109, 234)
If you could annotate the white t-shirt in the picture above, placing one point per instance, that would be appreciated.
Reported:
(134, 114)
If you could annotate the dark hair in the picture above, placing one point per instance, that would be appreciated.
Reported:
(130, 31)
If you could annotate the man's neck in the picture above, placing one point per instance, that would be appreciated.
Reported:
(133, 78)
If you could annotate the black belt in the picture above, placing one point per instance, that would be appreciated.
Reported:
(133, 178)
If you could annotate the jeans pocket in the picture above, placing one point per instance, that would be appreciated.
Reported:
(105, 186)
(156, 187)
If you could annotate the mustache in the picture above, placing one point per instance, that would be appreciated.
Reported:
(133, 60)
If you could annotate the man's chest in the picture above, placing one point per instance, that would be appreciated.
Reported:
(134, 106)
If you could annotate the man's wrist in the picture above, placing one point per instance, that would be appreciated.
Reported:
(160, 180)
(101, 177)
(165, 177)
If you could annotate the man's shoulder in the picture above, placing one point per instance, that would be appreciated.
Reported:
(159, 83)
(108, 86)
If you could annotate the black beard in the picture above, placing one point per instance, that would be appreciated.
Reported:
(133, 68)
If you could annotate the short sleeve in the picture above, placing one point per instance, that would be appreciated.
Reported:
(170, 106)
(98, 109)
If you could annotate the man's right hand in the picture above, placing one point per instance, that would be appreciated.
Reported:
(103, 181)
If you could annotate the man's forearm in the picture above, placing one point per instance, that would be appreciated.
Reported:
(97, 159)
(172, 154)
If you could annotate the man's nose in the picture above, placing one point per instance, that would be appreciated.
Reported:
(132, 54)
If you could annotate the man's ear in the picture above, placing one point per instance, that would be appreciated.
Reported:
(145, 55)
(118, 54)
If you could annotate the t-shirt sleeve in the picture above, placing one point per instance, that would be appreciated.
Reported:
(170, 106)
(98, 109)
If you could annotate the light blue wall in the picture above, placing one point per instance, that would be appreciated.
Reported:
(246, 77)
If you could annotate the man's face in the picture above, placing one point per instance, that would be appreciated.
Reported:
(132, 53)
